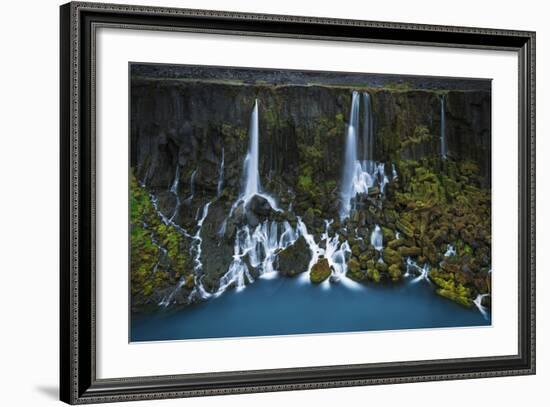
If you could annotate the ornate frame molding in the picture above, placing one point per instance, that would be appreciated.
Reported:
(78, 380)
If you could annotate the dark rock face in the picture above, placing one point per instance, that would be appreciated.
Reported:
(188, 123)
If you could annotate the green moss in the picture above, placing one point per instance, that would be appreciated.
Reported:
(453, 296)
(373, 275)
(320, 271)
(395, 272)
(150, 269)
(402, 86)
(305, 183)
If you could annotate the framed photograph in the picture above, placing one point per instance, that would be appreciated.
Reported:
(256, 203)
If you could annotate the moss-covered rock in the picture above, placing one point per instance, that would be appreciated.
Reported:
(409, 251)
(454, 296)
(373, 275)
(391, 256)
(320, 271)
(394, 272)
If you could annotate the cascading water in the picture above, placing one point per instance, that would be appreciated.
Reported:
(252, 185)
(443, 141)
(251, 181)
(422, 273)
(335, 252)
(260, 246)
(350, 158)
(165, 220)
(195, 251)
(191, 188)
(478, 303)
(359, 174)
(174, 190)
(377, 239)
(451, 251)
(219, 187)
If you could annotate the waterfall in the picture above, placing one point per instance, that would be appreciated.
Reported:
(335, 252)
(451, 251)
(443, 142)
(220, 174)
(252, 184)
(165, 220)
(260, 246)
(381, 177)
(359, 174)
(422, 273)
(174, 190)
(191, 188)
(350, 158)
(377, 239)
(195, 251)
(480, 307)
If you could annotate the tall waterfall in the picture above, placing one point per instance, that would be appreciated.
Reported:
(443, 141)
(350, 158)
(251, 174)
(360, 172)
(252, 184)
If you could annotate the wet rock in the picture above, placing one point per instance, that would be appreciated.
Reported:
(259, 206)
(373, 275)
(454, 296)
(381, 267)
(409, 251)
(320, 271)
(405, 227)
(354, 266)
(251, 219)
(396, 243)
(374, 191)
(395, 272)
(391, 256)
(294, 259)
(354, 271)
(388, 234)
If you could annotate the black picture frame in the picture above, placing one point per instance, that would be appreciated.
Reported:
(78, 381)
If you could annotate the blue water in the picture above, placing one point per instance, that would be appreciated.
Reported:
(283, 306)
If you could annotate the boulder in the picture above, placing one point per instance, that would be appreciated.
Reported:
(410, 251)
(405, 227)
(373, 275)
(391, 256)
(395, 272)
(294, 259)
(320, 271)
(259, 206)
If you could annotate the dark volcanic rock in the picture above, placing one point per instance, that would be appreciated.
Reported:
(259, 205)
(294, 259)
